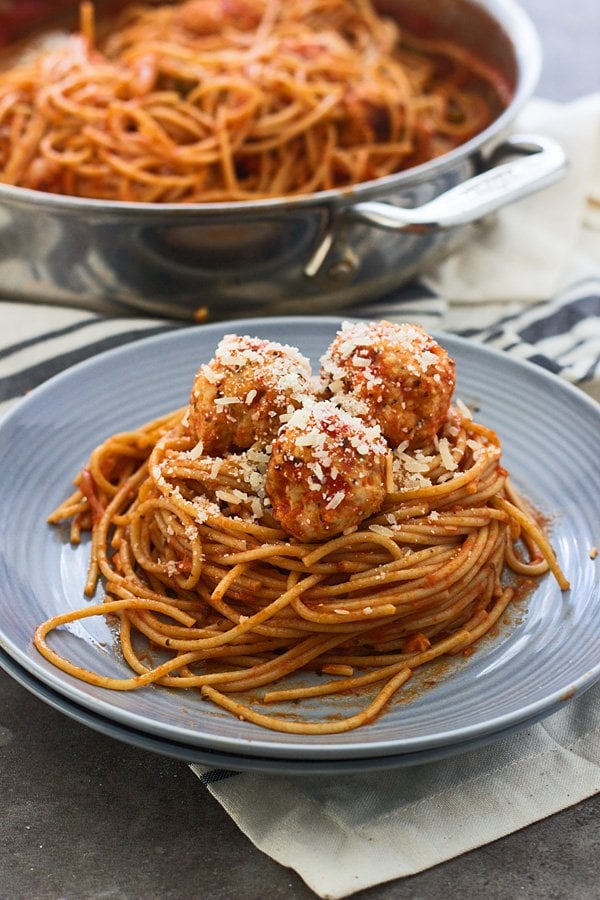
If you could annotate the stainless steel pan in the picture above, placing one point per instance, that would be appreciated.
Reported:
(286, 256)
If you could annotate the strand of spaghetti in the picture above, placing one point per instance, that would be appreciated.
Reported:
(142, 553)
(450, 570)
(55, 97)
(339, 686)
(247, 679)
(227, 580)
(160, 635)
(134, 444)
(226, 159)
(477, 493)
(24, 149)
(146, 676)
(270, 588)
(430, 556)
(389, 574)
(136, 172)
(489, 619)
(180, 663)
(262, 615)
(225, 541)
(536, 534)
(186, 119)
(445, 614)
(99, 562)
(74, 157)
(438, 588)
(371, 608)
(362, 718)
(266, 551)
(413, 660)
(271, 122)
(286, 623)
(512, 494)
(86, 21)
(274, 628)
(130, 585)
(436, 491)
(307, 121)
(413, 538)
(408, 613)
(123, 684)
(294, 659)
(475, 518)
(342, 565)
(410, 662)
(523, 567)
(349, 540)
(72, 506)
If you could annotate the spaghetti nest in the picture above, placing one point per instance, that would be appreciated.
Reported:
(221, 100)
(197, 569)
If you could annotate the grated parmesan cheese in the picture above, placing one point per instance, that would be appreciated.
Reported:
(381, 529)
(196, 451)
(448, 461)
(226, 401)
(464, 409)
(335, 500)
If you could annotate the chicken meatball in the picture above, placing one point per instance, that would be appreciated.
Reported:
(206, 17)
(245, 393)
(326, 472)
(394, 375)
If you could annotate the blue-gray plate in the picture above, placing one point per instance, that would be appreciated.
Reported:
(547, 653)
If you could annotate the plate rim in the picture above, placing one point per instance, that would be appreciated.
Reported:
(239, 763)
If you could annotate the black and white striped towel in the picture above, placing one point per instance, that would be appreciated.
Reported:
(561, 334)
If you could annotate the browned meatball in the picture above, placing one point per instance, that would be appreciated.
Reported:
(206, 17)
(326, 472)
(245, 392)
(395, 375)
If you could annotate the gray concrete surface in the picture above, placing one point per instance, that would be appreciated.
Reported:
(570, 34)
(84, 817)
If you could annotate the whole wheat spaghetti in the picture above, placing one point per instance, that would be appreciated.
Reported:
(203, 575)
(221, 100)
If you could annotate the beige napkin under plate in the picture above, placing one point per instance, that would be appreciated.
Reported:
(345, 833)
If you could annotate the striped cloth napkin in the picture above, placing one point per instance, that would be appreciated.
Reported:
(536, 296)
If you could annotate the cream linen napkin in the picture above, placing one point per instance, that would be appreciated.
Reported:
(345, 833)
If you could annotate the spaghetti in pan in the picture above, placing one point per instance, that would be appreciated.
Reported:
(348, 528)
(226, 100)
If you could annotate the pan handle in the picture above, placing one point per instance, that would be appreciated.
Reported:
(536, 163)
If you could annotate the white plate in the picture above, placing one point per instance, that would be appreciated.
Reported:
(552, 652)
